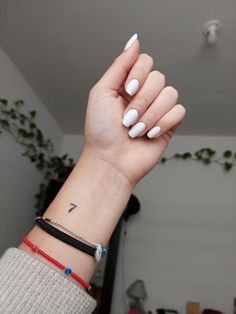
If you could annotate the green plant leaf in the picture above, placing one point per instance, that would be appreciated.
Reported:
(41, 156)
(32, 125)
(39, 136)
(26, 153)
(31, 147)
(33, 113)
(40, 165)
(228, 166)
(177, 156)
(25, 134)
(206, 161)
(227, 154)
(4, 123)
(198, 154)
(3, 101)
(22, 132)
(33, 158)
(30, 135)
(186, 155)
(6, 112)
(64, 157)
(47, 174)
(19, 103)
(210, 152)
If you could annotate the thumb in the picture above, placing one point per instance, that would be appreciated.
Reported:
(115, 76)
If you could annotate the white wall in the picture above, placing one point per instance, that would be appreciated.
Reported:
(183, 242)
(19, 180)
(72, 144)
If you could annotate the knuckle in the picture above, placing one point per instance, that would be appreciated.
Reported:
(148, 119)
(140, 100)
(162, 78)
(173, 91)
(182, 109)
(92, 91)
(159, 76)
(117, 60)
(118, 64)
(147, 59)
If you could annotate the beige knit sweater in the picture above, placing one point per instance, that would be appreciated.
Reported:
(30, 286)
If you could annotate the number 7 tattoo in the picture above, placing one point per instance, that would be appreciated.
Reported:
(73, 207)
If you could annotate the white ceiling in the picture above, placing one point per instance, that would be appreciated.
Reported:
(63, 46)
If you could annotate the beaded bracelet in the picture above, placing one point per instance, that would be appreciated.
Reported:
(66, 270)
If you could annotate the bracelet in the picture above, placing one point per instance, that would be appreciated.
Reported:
(97, 252)
(66, 270)
(69, 231)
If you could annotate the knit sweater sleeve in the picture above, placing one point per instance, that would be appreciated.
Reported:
(29, 286)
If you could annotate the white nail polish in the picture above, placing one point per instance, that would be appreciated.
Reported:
(132, 87)
(130, 117)
(137, 129)
(154, 132)
(130, 41)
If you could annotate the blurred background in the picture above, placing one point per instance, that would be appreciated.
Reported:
(182, 243)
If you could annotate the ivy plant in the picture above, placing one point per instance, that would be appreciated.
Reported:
(207, 156)
(38, 149)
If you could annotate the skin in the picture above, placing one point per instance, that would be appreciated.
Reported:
(111, 163)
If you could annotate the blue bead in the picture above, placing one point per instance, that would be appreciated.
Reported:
(67, 271)
(103, 251)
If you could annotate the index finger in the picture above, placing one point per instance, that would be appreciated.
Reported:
(115, 76)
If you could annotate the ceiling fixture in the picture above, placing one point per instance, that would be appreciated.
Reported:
(211, 31)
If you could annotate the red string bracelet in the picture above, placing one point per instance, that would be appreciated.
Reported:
(67, 270)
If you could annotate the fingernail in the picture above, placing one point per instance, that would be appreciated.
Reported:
(137, 129)
(130, 117)
(132, 87)
(154, 132)
(130, 41)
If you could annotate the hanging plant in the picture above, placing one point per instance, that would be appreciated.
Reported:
(207, 156)
(38, 149)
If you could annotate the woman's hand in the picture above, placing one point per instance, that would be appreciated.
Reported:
(114, 159)
(120, 137)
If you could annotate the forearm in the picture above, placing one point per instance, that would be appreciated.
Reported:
(100, 194)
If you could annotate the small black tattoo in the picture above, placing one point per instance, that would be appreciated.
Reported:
(70, 210)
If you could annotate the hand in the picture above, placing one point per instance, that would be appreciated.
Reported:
(114, 159)
(131, 153)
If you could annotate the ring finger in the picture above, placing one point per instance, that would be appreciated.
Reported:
(151, 88)
(166, 100)
(138, 74)
(170, 120)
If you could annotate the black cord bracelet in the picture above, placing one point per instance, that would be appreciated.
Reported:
(65, 237)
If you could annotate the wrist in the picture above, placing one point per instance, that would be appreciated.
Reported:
(103, 170)
(100, 193)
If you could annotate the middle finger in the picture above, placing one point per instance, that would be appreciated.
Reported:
(151, 88)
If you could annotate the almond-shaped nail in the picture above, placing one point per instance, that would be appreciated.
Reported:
(136, 129)
(154, 132)
(130, 117)
(132, 87)
(130, 41)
